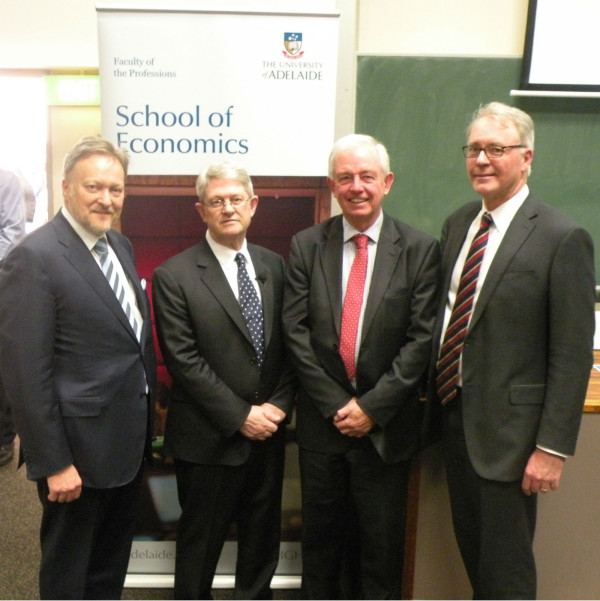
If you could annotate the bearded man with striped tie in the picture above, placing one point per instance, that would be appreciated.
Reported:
(80, 375)
(512, 354)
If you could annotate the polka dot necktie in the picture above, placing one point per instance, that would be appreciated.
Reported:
(353, 303)
(447, 367)
(112, 275)
(251, 308)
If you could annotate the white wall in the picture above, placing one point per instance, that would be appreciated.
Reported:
(442, 27)
(62, 33)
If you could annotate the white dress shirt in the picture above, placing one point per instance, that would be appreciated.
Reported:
(226, 258)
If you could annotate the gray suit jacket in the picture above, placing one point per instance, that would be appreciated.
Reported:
(396, 335)
(528, 352)
(73, 369)
(208, 352)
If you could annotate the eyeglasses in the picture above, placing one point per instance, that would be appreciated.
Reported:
(219, 203)
(492, 151)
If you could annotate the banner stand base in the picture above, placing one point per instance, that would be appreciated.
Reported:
(220, 581)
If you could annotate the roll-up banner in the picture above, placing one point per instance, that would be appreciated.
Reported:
(182, 88)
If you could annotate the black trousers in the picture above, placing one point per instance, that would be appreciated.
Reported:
(212, 498)
(7, 426)
(353, 521)
(494, 522)
(86, 544)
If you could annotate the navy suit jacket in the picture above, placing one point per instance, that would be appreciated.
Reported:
(529, 348)
(208, 351)
(396, 336)
(74, 372)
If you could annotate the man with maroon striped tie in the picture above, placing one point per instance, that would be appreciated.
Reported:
(512, 353)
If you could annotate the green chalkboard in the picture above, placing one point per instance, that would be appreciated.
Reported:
(419, 108)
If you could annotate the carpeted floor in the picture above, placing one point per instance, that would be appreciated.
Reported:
(19, 546)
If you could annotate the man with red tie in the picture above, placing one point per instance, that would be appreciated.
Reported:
(358, 314)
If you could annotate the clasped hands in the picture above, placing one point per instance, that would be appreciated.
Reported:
(262, 421)
(351, 420)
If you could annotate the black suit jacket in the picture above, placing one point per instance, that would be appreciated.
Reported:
(529, 349)
(396, 335)
(72, 367)
(208, 352)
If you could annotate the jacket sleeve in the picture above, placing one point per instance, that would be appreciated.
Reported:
(27, 339)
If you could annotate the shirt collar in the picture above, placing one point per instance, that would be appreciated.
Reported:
(503, 215)
(88, 238)
(225, 254)
(372, 232)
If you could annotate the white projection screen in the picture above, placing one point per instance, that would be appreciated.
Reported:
(561, 46)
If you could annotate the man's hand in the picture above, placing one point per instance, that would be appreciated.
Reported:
(272, 413)
(65, 486)
(257, 425)
(542, 472)
(351, 420)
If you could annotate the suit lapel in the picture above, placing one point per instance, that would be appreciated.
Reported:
(213, 277)
(388, 251)
(330, 258)
(81, 259)
(519, 230)
(454, 243)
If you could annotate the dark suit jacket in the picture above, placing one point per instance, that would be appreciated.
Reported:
(528, 353)
(396, 335)
(72, 367)
(208, 352)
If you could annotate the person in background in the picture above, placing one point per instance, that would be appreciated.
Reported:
(512, 355)
(217, 307)
(12, 230)
(78, 366)
(360, 302)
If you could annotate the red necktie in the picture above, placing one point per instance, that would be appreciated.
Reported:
(447, 367)
(353, 303)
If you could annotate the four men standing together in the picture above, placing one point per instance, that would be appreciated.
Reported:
(498, 326)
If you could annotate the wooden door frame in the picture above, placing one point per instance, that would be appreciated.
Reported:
(277, 186)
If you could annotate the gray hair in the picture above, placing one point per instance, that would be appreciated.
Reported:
(92, 145)
(224, 170)
(505, 114)
(354, 141)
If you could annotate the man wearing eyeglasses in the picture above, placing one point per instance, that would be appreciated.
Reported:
(218, 315)
(512, 353)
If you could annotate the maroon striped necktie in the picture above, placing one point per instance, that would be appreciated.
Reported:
(447, 367)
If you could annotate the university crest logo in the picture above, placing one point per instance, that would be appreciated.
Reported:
(292, 42)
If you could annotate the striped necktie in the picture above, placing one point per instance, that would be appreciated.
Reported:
(112, 275)
(447, 367)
